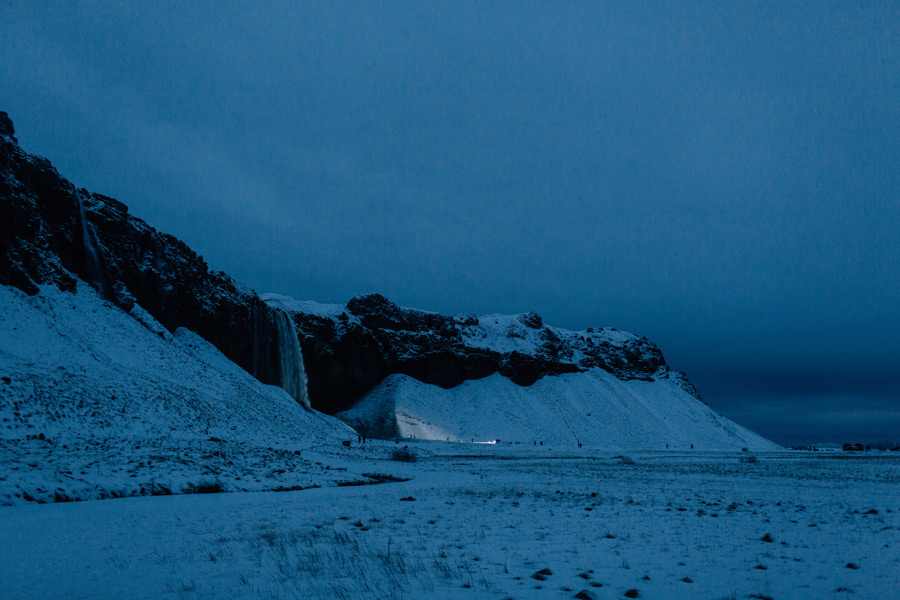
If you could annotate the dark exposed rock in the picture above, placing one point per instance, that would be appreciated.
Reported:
(6, 126)
(343, 360)
(531, 319)
(524, 369)
(377, 312)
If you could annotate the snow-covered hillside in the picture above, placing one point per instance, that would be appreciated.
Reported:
(349, 349)
(594, 408)
(91, 396)
(508, 377)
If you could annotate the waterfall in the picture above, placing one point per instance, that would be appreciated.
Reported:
(93, 262)
(277, 359)
(293, 372)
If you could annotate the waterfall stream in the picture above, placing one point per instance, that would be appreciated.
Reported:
(93, 262)
(293, 372)
(277, 359)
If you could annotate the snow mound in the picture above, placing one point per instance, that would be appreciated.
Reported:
(593, 408)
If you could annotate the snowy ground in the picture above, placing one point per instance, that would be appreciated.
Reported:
(487, 521)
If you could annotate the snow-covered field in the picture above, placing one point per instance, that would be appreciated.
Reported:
(488, 521)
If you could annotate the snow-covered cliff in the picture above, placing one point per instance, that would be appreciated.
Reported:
(350, 348)
(393, 372)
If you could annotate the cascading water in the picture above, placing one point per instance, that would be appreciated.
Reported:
(277, 359)
(293, 372)
(92, 260)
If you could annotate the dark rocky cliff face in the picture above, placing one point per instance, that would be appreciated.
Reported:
(43, 241)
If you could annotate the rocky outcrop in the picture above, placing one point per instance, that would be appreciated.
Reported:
(52, 233)
(348, 349)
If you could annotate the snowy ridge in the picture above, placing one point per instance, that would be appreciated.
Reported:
(594, 408)
(512, 333)
(311, 307)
